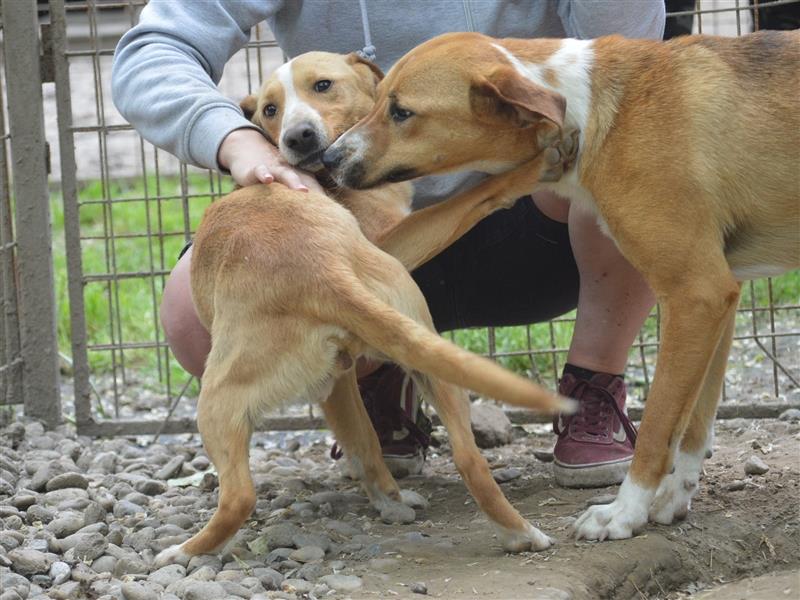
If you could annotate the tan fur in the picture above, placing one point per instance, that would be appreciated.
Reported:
(292, 292)
(690, 156)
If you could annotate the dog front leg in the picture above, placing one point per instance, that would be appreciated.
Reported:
(694, 318)
(425, 233)
(348, 419)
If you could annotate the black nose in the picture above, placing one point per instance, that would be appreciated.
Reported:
(301, 139)
(332, 157)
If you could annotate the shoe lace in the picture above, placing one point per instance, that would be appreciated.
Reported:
(388, 416)
(597, 407)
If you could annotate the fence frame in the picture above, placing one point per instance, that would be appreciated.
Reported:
(34, 255)
(35, 259)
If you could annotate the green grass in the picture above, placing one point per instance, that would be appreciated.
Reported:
(129, 207)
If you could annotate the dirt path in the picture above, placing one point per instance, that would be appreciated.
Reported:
(729, 534)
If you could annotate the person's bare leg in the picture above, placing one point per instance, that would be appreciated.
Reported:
(613, 301)
(595, 446)
(189, 341)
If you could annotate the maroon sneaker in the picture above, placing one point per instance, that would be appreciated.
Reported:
(394, 407)
(595, 445)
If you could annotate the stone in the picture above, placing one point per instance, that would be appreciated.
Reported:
(23, 501)
(281, 535)
(307, 554)
(490, 425)
(204, 590)
(130, 565)
(204, 560)
(311, 539)
(150, 487)
(418, 588)
(504, 475)
(59, 572)
(342, 583)
(124, 508)
(65, 525)
(29, 562)
(269, 578)
(135, 591)
(383, 565)
(397, 512)
(90, 546)
(39, 513)
(791, 414)
(737, 485)
(543, 455)
(755, 466)
(165, 576)
(297, 586)
(67, 480)
(104, 564)
(71, 590)
(171, 469)
(233, 588)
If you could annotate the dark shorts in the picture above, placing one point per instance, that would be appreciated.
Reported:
(514, 267)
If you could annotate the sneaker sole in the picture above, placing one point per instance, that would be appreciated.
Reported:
(590, 476)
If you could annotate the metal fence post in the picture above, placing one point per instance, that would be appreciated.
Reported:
(40, 386)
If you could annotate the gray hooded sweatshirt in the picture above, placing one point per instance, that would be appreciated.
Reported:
(166, 67)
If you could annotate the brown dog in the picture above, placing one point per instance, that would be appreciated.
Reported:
(293, 292)
(690, 157)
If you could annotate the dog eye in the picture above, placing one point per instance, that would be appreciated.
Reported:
(322, 85)
(270, 110)
(399, 114)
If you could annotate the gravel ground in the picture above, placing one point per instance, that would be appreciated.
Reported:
(84, 519)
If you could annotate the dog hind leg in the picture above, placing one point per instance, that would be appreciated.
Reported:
(346, 416)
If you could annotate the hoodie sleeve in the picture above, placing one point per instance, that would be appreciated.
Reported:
(166, 69)
(586, 19)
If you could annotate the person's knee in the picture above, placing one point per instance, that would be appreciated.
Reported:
(185, 334)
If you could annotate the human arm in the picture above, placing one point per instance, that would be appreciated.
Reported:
(164, 82)
(586, 19)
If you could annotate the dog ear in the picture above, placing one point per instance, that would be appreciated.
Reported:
(508, 95)
(249, 106)
(366, 67)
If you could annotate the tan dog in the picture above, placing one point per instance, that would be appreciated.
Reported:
(690, 156)
(293, 292)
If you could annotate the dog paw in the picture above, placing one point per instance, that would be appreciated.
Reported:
(172, 555)
(413, 499)
(529, 539)
(610, 522)
(560, 155)
(673, 500)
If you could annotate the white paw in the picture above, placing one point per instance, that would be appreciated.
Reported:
(530, 539)
(619, 520)
(413, 499)
(172, 555)
(674, 496)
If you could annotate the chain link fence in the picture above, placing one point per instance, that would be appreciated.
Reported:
(123, 210)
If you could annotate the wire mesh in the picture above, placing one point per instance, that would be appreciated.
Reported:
(137, 206)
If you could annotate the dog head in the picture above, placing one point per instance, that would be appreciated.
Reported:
(310, 101)
(453, 103)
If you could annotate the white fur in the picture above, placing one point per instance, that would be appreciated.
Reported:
(295, 111)
(674, 496)
(522, 541)
(618, 520)
(573, 63)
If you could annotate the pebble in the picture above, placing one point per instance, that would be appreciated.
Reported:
(150, 487)
(307, 554)
(90, 546)
(490, 425)
(737, 485)
(297, 586)
(504, 475)
(396, 512)
(165, 576)
(67, 480)
(755, 466)
(171, 469)
(135, 591)
(791, 414)
(543, 455)
(342, 583)
(65, 525)
(204, 590)
(59, 572)
(29, 562)
(418, 588)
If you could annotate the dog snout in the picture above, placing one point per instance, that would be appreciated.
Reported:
(302, 139)
(332, 157)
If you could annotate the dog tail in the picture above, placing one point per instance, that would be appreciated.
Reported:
(417, 348)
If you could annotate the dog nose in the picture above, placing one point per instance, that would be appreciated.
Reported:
(332, 157)
(301, 139)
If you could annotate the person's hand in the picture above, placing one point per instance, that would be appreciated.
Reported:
(251, 159)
